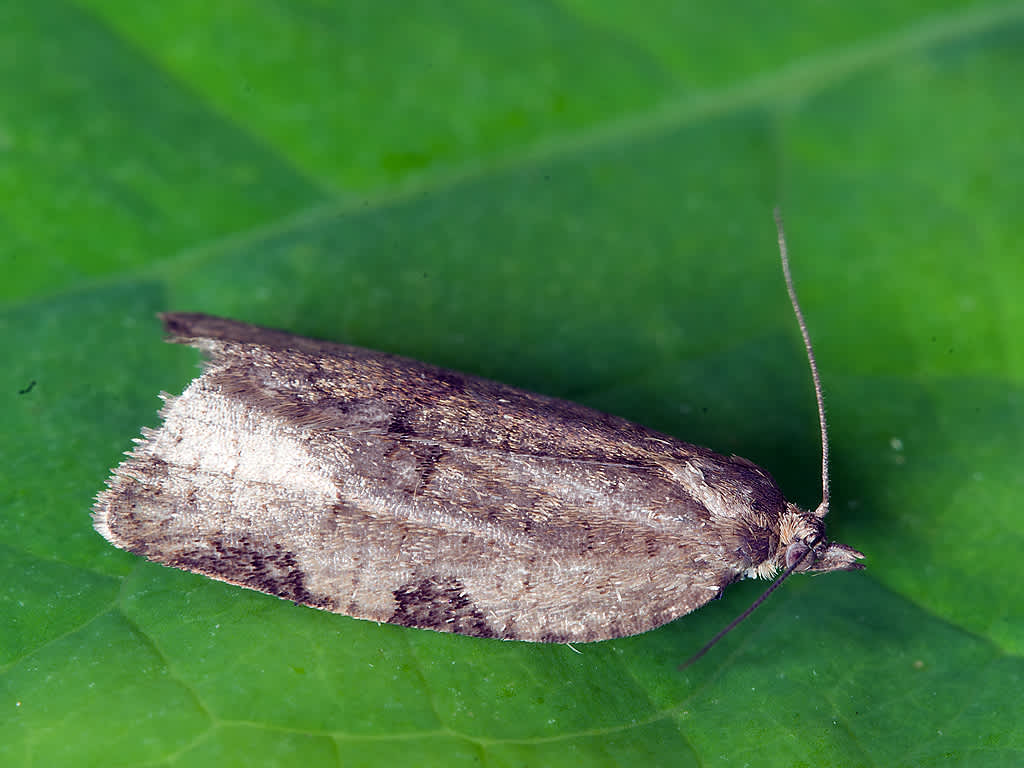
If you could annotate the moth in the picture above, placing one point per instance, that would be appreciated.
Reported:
(387, 489)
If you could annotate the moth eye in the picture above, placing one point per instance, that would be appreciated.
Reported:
(794, 552)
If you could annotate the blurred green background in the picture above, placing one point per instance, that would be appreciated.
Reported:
(574, 198)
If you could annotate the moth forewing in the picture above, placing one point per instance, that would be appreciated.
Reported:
(387, 489)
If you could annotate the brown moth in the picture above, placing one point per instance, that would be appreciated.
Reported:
(391, 490)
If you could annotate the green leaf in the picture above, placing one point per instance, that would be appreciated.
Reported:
(572, 198)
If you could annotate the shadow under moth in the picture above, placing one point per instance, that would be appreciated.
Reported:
(391, 490)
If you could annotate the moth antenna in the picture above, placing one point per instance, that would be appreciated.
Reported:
(822, 509)
(753, 607)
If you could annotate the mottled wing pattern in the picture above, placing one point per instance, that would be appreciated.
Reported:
(390, 490)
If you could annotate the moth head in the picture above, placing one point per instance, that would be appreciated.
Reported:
(802, 535)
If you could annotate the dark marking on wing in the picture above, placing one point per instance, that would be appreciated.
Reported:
(456, 382)
(427, 457)
(400, 424)
(439, 603)
(262, 566)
